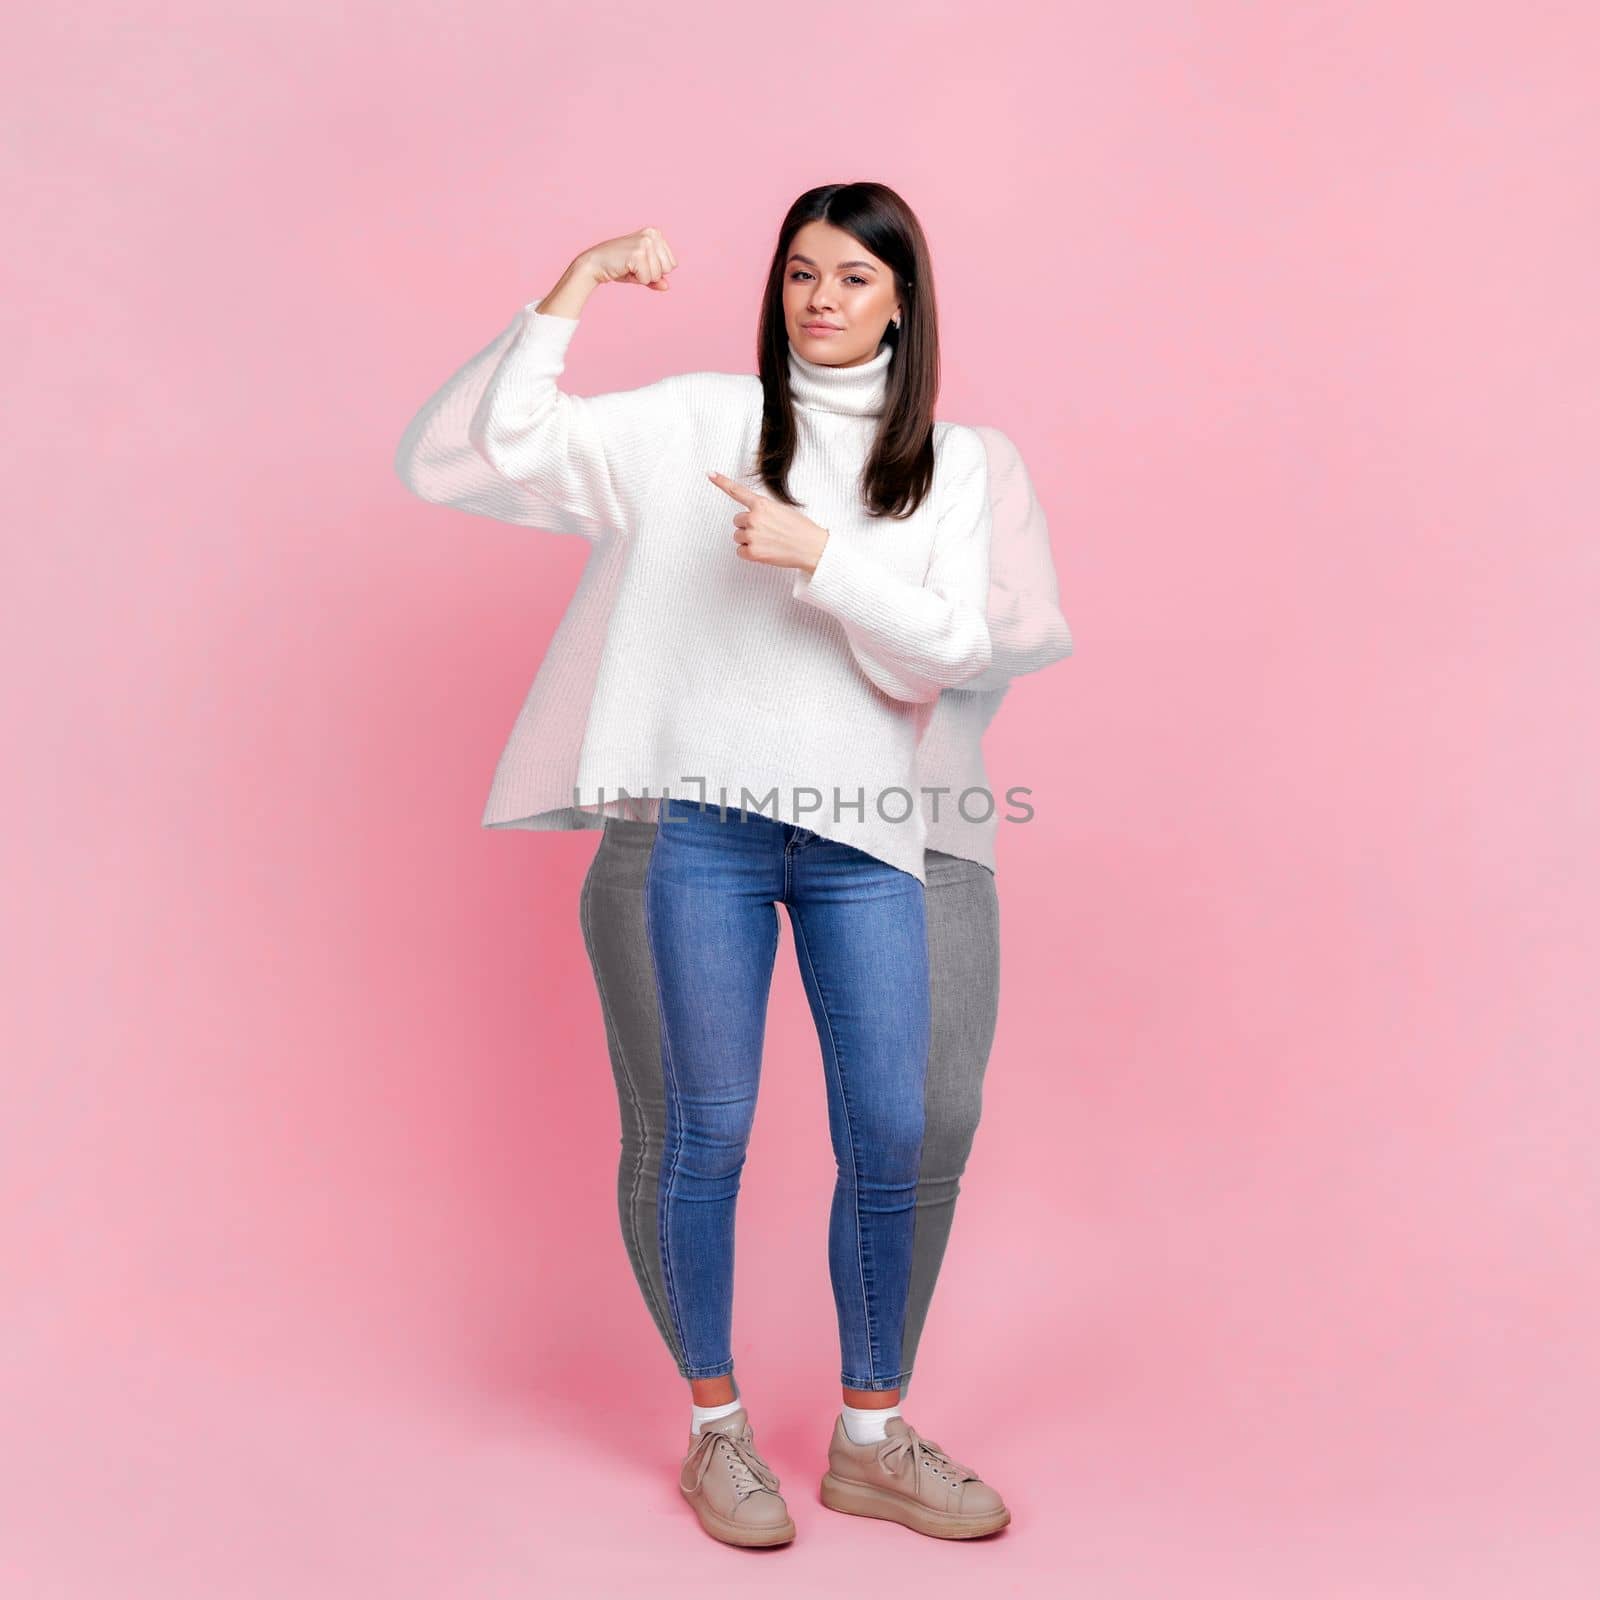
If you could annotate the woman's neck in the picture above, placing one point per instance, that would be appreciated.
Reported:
(855, 391)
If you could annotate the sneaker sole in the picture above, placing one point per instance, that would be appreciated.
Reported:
(862, 1500)
(734, 1532)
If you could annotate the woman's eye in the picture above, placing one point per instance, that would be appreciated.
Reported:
(800, 272)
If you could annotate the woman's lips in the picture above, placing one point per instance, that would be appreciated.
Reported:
(821, 328)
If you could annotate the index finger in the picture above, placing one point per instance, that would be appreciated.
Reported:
(745, 497)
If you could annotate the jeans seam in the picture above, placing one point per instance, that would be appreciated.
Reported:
(664, 1190)
(584, 920)
(849, 1131)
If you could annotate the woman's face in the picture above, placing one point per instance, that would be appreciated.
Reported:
(837, 296)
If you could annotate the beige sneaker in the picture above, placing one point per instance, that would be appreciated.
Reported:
(908, 1479)
(733, 1491)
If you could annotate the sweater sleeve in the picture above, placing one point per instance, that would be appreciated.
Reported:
(501, 438)
(1026, 628)
(916, 640)
(435, 459)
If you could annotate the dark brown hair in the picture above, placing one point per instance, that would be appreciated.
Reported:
(898, 471)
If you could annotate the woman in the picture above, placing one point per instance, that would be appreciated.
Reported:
(841, 691)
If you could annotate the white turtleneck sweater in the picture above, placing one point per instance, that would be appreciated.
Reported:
(677, 663)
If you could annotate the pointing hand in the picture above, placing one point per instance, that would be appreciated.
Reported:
(769, 531)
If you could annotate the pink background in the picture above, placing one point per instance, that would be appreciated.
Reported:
(1275, 1273)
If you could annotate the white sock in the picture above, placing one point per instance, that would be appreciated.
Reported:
(710, 1413)
(865, 1424)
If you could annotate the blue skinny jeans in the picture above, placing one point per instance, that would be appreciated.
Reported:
(712, 888)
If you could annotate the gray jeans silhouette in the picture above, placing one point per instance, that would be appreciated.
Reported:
(964, 986)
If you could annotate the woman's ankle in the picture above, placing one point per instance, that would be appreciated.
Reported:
(713, 1391)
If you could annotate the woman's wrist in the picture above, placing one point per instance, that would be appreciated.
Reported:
(572, 290)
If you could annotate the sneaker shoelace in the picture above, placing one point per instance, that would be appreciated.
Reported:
(909, 1449)
(748, 1470)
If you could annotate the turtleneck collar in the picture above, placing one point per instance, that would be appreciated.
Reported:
(856, 391)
